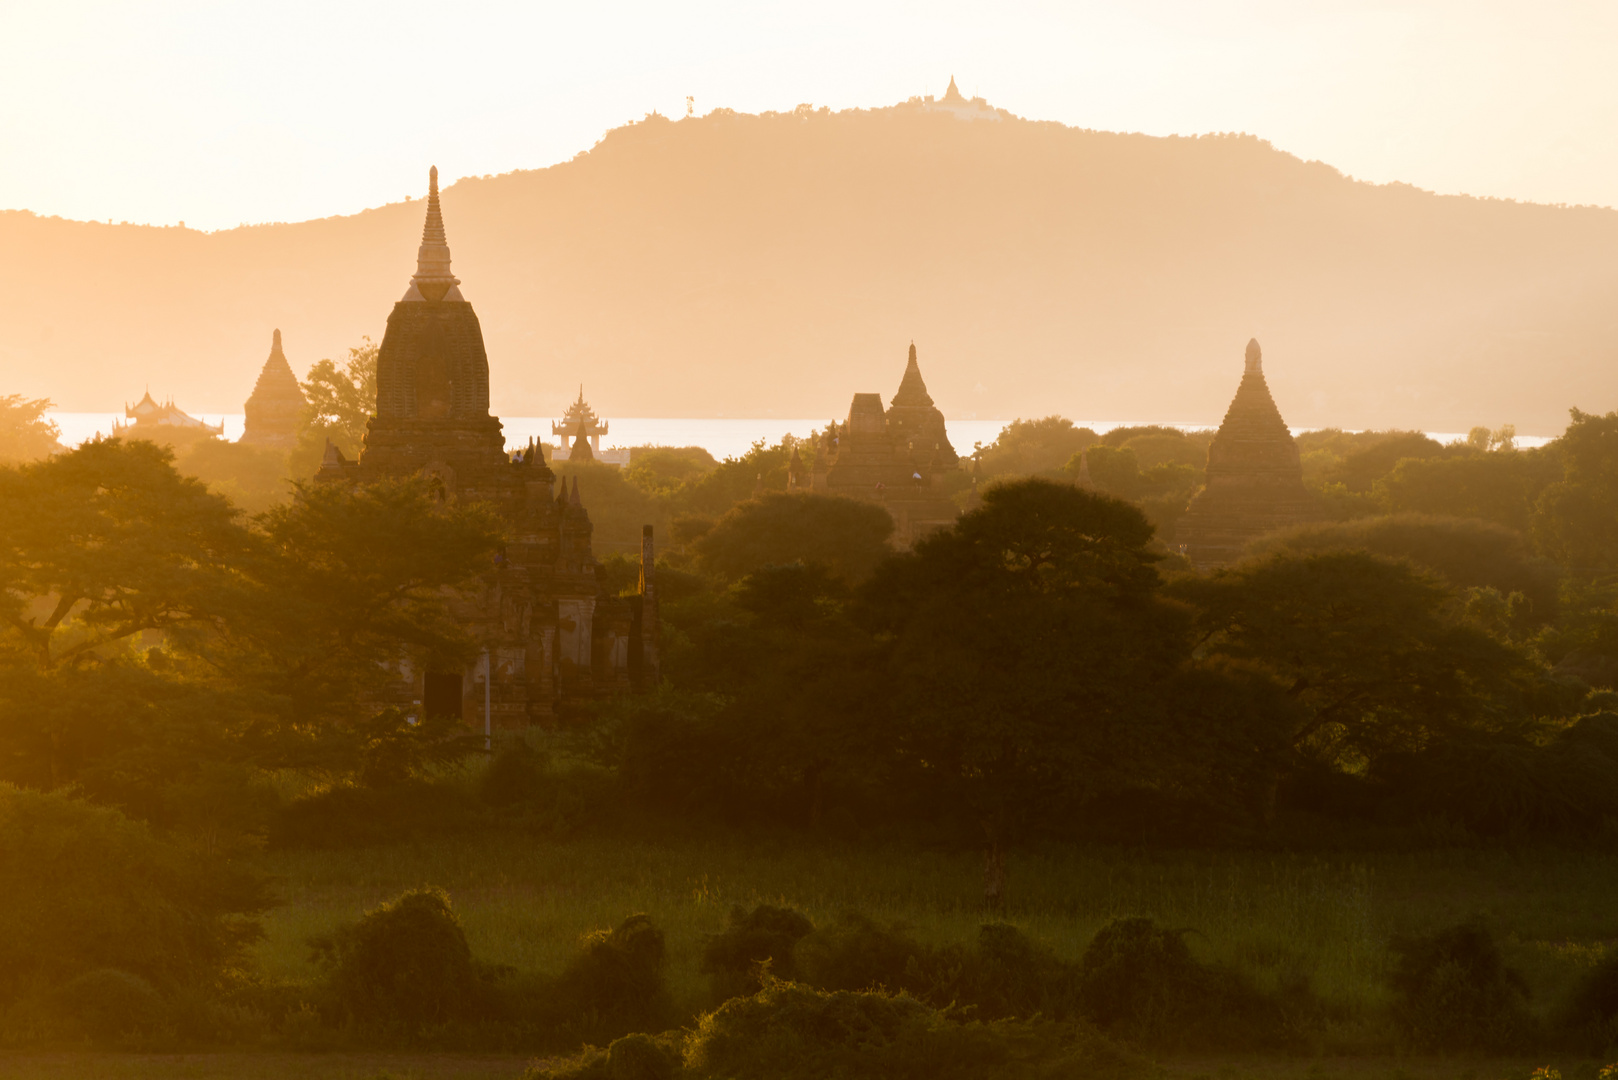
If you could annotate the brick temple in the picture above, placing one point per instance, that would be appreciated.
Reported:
(1254, 482)
(895, 456)
(553, 636)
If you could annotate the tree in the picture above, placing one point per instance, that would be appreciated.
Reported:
(846, 536)
(1032, 447)
(1362, 645)
(1500, 486)
(1465, 552)
(151, 643)
(1575, 520)
(25, 433)
(1027, 658)
(341, 403)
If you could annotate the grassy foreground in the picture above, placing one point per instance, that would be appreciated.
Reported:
(525, 902)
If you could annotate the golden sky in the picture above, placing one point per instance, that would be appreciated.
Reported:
(223, 113)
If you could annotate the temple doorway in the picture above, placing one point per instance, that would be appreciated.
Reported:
(441, 694)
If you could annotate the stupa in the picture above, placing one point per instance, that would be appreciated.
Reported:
(584, 428)
(1254, 480)
(553, 634)
(276, 403)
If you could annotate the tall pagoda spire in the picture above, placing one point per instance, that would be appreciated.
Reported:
(433, 279)
(912, 390)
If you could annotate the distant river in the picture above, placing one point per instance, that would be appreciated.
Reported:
(724, 437)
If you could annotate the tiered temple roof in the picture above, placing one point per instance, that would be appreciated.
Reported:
(580, 423)
(276, 403)
(1254, 480)
(148, 416)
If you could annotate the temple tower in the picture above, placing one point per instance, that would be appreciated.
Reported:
(276, 404)
(916, 423)
(1254, 480)
(552, 634)
(432, 373)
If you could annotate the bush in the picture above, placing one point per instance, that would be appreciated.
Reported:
(854, 953)
(406, 962)
(614, 986)
(792, 1032)
(110, 1007)
(1141, 982)
(766, 933)
(1454, 992)
(515, 775)
(1591, 1011)
(85, 888)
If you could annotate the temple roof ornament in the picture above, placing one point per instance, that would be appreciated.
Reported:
(580, 417)
(433, 279)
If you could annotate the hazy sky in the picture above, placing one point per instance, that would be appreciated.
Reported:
(222, 113)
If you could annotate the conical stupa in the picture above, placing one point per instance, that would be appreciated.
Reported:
(915, 421)
(276, 403)
(1254, 481)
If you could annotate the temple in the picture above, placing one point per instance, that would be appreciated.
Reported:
(553, 636)
(581, 425)
(276, 404)
(959, 106)
(896, 456)
(149, 420)
(1254, 481)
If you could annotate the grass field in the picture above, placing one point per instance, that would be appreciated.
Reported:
(525, 902)
(274, 1066)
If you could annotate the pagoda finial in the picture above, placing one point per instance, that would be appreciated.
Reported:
(275, 342)
(1255, 358)
(433, 279)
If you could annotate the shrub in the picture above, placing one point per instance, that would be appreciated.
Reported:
(792, 1032)
(1454, 992)
(613, 986)
(406, 962)
(854, 953)
(1008, 975)
(515, 775)
(766, 933)
(1140, 981)
(86, 888)
(110, 1006)
(1591, 1011)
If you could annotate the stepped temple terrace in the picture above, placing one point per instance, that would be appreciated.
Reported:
(896, 457)
(276, 403)
(553, 635)
(1254, 480)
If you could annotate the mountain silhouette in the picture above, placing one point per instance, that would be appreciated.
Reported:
(747, 265)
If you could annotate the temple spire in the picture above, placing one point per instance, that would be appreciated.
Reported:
(1255, 358)
(433, 279)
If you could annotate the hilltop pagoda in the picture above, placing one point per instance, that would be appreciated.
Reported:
(276, 403)
(552, 633)
(1254, 481)
(896, 456)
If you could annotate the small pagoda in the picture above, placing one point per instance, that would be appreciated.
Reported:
(276, 403)
(1254, 481)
